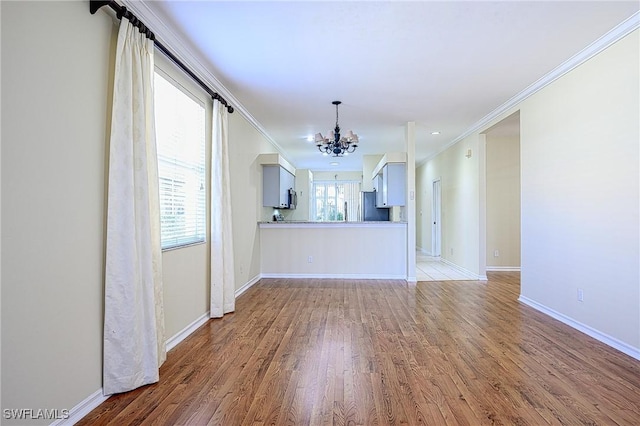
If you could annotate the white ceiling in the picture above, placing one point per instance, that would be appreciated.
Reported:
(444, 65)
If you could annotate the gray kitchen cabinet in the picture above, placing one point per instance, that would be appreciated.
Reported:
(276, 182)
(392, 185)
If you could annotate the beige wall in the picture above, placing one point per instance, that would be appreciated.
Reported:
(503, 201)
(304, 188)
(56, 85)
(461, 196)
(245, 144)
(369, 163)
(337, 175)
(580, 193)
(55, 92)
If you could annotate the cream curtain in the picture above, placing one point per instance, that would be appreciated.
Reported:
(134, 340)
(222, 272)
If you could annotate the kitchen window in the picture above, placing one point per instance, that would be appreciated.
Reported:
(180, 139)
(335, 201)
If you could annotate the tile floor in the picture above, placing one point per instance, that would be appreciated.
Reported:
(432, 269)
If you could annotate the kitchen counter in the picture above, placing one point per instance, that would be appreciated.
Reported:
(309, 224)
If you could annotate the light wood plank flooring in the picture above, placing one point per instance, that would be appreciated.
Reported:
(365, 352)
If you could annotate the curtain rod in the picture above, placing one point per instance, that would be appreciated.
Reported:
(121, 11)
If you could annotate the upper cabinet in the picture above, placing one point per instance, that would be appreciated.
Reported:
(394, 184)
(277, 184)
(390, 180)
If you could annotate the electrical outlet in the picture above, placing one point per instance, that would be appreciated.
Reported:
(496, 253)
(580, 295)
(451, 251)
(310, 259)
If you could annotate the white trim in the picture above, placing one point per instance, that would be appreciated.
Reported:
(82, 409)
(248, 285)
(339, 276)
(588, 330)
(503, 269)
(623, 29)
(172, 342)
(464, 271)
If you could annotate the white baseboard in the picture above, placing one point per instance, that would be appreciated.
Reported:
(248, 285)
(503, 269)
(464, 271)
(423, 251)
(588, 330)
(172, 342)
(339, 276)
(82, 409)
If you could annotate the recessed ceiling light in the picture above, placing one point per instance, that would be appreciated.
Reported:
(310, 138)
(334, 163)
(435, 133)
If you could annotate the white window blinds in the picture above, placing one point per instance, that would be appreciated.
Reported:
(180, 136)
(336, 201)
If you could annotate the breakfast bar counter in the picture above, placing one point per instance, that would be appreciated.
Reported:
(334, 249)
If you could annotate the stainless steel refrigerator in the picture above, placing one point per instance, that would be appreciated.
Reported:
(369, 210)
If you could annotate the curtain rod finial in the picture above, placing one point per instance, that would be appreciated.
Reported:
(94, 5)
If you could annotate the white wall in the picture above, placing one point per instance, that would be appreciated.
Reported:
(56, 91)
(580, 193)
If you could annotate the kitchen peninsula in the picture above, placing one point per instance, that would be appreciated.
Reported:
(301, 249)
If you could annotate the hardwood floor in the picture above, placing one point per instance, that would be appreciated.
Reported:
(365, 352)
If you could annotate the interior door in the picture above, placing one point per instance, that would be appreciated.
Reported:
(436, 214)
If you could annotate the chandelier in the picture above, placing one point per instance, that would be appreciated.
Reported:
(335, 144)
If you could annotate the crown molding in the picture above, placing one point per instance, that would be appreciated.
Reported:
(623, 29)
(175, 44)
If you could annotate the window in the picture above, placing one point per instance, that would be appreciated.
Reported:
(336, 201)
(180, 138)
